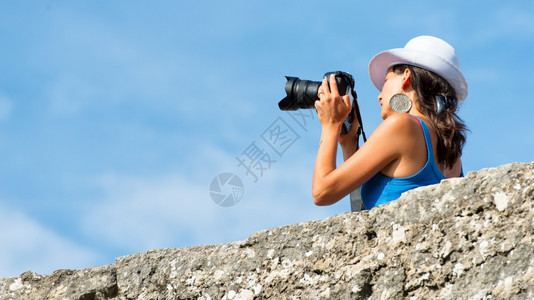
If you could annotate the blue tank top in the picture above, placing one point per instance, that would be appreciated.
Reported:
(381, 189)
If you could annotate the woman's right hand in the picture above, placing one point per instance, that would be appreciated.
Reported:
(332, 108)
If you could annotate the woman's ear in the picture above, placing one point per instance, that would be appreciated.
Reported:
(406, 79)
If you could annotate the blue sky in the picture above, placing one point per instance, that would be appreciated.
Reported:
(115, 116)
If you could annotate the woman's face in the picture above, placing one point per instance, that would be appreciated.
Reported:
(392, 86)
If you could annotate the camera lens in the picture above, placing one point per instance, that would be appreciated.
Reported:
(300, 94)
(303, 94)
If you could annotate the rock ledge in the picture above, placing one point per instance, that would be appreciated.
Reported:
(468, 238)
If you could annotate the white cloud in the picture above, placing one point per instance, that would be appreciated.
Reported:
(173, 210)
(28, 245)
(145, 213)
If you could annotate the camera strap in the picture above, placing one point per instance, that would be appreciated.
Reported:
(356, 108)
(356, 202)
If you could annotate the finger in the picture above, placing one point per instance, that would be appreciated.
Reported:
(333, 85)
(320, 91)
(346, 100)
(325, 87)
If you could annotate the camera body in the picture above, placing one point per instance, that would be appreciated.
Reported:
(302, 94)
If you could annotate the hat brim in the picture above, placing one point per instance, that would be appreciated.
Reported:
(380, 64)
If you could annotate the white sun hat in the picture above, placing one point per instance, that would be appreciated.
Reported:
(426, 52)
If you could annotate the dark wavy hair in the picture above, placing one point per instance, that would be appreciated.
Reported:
(449, 127)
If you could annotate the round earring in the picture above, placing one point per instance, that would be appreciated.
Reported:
(400, 103)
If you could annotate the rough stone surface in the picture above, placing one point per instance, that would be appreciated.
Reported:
(469, 238)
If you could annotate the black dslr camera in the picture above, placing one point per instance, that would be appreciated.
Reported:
(303, 94)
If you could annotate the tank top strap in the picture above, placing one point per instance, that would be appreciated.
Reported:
(428, 140)
(429, 149)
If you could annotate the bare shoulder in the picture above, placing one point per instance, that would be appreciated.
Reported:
(400, 123)
(396, 135)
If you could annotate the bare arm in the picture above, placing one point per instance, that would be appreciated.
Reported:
(332, 109)
(385, 145)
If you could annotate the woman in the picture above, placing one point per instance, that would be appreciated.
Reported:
(418, 143)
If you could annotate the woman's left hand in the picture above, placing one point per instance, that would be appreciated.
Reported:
(332, 108)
